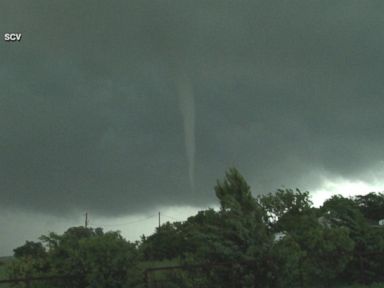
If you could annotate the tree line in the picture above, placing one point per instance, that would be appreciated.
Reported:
(273, 240)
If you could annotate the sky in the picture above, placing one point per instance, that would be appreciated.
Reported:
(126, 108)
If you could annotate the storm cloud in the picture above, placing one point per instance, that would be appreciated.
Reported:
(287, 91)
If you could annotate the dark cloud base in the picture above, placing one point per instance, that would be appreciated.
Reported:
(89, 112)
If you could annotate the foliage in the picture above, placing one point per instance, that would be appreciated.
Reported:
(30, 249)
(284, 206)
(90, 257)
(367, 257)
(273, 240)
(167, 243)
(371, 206)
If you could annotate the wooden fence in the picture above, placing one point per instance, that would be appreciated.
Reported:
(27, 281)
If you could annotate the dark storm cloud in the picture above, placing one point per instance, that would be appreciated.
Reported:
(90, 116)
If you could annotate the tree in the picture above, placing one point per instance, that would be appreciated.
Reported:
(327, 253)
(371, 206)
(89, 256)
(317, 253)
(285, 267)
(341, 211)
(237, 233)
(168, 242)
(284, 206)
(235, 245)
(355, 215)
(30, 249)
(234, 194)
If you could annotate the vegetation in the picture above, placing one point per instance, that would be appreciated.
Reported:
(274, 240)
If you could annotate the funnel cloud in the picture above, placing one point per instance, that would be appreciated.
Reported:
(122, 107)
(187, 107)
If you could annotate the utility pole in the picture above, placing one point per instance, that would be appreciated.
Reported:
(159, 219)
(86, 220)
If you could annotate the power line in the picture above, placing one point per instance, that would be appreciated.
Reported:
(170, 217)
(129, 223)
(159, 214)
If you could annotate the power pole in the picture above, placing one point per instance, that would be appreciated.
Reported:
(159, 219)
(86, 220)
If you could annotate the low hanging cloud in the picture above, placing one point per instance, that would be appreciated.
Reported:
(90, 102)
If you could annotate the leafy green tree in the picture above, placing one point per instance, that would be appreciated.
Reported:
(371, 206)
(236, 233)
(30, 249)
(284, 206)
(168, 242)
(368, 258)
(323, 251)
(236, 245)
(343, 212)
(328, 252)
(90, 257)
(355, 214)
(234, 194)
(30, 260)
(285, 268)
